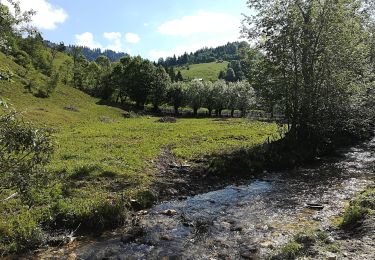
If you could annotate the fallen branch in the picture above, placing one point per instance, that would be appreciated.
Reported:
(10, 197)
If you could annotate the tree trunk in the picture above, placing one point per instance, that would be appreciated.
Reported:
(195, 111)
(176, 110)
(210, 112)
(155, 108)
(243, 113)
(232, 113)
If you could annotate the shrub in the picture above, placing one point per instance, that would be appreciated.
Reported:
(24, 151)
(22, 58)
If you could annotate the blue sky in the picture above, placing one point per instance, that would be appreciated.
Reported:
(152, 29)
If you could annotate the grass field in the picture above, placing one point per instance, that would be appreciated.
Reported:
(206, 71)
(101, 156)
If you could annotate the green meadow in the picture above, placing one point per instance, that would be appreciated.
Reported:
(206, 71)
(101, 157)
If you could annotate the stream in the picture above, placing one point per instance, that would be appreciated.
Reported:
(239, 221)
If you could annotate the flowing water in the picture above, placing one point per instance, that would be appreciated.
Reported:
(241, 221)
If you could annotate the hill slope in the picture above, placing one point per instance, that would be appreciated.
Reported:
(57, 110)
(206, 71)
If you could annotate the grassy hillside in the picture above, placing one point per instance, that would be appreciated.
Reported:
(101, 156)
(206, 71)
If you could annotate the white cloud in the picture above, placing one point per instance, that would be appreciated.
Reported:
(112, 35)
(146, 24)
(87, 39)
(115, 41)
(132, 38)
(47, 15)
(212, 23)
(204, 29)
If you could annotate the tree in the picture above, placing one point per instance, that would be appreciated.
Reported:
(13, 24)
(232, 97)
(159, 87)
(172, 74)
(195, 95)
(105, 87)
(176, 95)
(140, 75)
(230, 75)
(91, 78)
(209, 96)
(319, 53)
(245, 96)
(220, 98)
(222, 75)
(179, 76)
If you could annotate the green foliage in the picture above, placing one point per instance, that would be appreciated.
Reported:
(358, 209)
(22, 232)
(24, 150)
(228, 52)
(291, 250)
(316, 64)
(302, 243)
(22, 58)
(176, 95)
(195, 95)
(6, 74)
(159, 87)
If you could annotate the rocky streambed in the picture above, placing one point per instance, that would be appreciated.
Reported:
(247, 221)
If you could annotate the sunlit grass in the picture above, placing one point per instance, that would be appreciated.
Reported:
(206, 71)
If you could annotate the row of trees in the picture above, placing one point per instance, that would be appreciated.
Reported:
(216, 96)
(142, 82)
(226, 52)
(138, 80)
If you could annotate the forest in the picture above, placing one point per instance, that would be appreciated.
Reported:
(94, 141)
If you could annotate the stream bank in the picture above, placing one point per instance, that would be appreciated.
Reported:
(248, 220)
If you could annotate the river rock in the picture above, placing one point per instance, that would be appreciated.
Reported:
(165, 238)
(169, 212)
(127, 238)
(248, 255)
(330, 240)
(236, 228)
(267, 244)
(331, 256)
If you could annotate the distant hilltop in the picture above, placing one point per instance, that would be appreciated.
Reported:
(92, 54)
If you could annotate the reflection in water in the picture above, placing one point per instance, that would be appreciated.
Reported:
(238, 220)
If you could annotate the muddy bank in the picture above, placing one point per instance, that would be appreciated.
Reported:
(238, 221)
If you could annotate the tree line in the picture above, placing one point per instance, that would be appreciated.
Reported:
(227, 52)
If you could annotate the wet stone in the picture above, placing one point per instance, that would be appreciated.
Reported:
(165, 238)
(331, 256)
(169, 212)
(237, 228)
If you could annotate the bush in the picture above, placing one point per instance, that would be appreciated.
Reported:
(24, 151)
(20, 233)
(357, 210)
(22, 58)
(291, 250)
